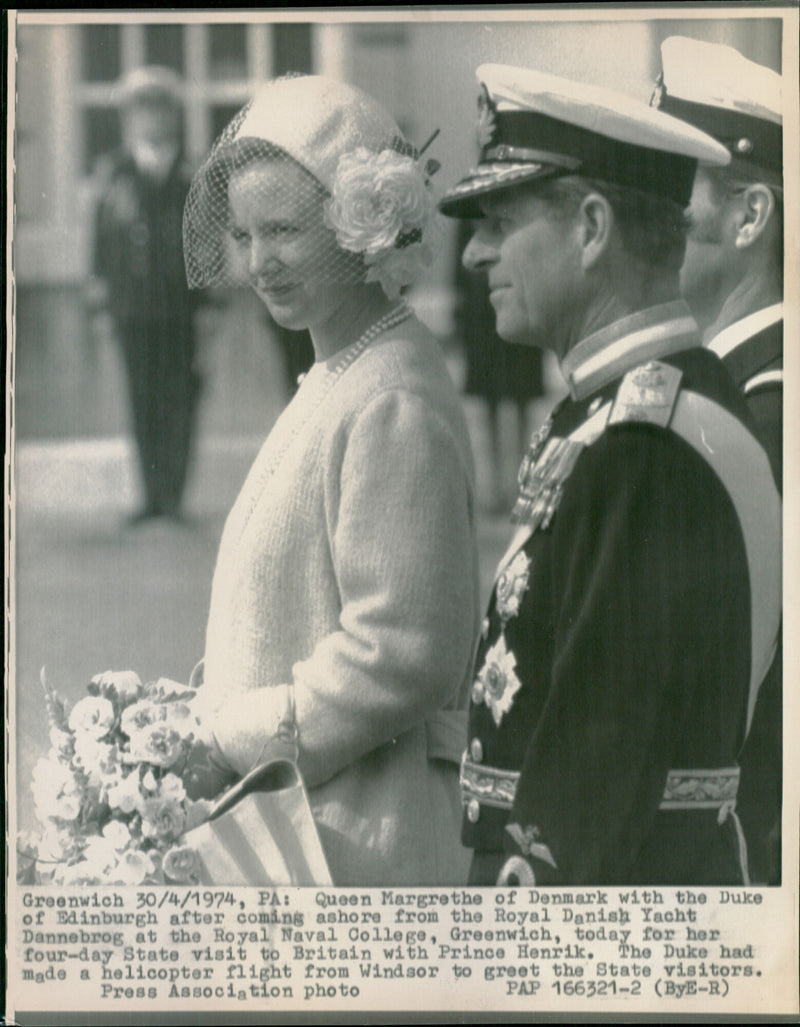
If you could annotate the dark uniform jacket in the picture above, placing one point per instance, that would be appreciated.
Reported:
(752, 350)
(138, 246)
(632, 621)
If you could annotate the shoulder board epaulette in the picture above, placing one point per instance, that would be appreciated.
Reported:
(765, 380)
(647, 393)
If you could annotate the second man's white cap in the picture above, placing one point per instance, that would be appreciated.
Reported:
(717, 89)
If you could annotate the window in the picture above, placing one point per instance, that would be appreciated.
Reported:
(227, 51)
(102, 57)
(291, 48)
(222, 63)
(163, 44)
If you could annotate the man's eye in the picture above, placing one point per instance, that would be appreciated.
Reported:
(498, 225)
(239, 235)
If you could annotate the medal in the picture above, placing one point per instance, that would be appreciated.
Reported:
(541, 483)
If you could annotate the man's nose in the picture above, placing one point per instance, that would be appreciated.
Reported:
(480, 252)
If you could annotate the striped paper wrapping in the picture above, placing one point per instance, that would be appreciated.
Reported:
(262, 832)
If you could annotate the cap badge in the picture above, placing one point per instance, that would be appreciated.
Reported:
(487, 123)
(744, 146)
(658, 91)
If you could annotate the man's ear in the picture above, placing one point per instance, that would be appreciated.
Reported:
(596, 222)
(757, 204)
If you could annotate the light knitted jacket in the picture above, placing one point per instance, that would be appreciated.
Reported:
(348, 571)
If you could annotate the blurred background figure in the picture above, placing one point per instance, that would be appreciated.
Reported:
(140, 281)
(732, 278)
(497, 376)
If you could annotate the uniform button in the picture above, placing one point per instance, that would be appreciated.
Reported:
(485, 628)
(473, 811)
(477, 693)
(476, 750)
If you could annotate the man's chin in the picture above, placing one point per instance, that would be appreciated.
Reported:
(697, 288)
(515, 334)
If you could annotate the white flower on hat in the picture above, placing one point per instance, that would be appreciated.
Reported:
(381, 205)
(398, 268)
(376, 196)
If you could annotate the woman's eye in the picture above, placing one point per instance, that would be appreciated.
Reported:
(282, 231)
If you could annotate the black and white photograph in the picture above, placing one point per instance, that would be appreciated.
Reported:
(399, 504)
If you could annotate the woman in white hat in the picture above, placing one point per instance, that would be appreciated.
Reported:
(345, 594)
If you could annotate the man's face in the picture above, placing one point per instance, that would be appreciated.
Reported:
(528, 249)
(707, 275)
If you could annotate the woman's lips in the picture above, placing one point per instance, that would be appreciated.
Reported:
(274, 289)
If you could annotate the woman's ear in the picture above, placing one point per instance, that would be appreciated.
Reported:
(596, 222)
(757, 204)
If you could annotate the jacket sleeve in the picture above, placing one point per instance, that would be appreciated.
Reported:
(103, 240)
(652, 610)
(399, 510)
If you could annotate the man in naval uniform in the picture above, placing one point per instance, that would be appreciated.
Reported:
(636, 609)
(732, 278)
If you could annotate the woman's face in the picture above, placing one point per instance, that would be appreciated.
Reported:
(282, 245)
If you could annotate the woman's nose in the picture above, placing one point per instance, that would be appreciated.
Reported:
(480, 252)
(263, 257)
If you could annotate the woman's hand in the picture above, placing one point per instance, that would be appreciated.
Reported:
(207, 772)
(239, 731)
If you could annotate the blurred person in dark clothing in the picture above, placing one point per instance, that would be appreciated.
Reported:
(140, 279)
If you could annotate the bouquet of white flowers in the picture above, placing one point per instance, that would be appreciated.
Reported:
(109, 794)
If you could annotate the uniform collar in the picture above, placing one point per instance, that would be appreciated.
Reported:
(734, 335)
(646, 335)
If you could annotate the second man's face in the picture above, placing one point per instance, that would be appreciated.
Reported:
(528, 250)
(707, 268)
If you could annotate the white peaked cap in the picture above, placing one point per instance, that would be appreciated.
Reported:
(719, 76)
(603, 111)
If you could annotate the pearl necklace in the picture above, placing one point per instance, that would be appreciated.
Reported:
(396, 316)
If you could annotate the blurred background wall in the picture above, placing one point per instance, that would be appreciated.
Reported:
(423, 71)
